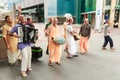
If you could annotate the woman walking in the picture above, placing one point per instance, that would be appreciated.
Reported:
(72, 48)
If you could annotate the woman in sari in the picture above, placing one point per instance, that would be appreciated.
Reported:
(72, 48)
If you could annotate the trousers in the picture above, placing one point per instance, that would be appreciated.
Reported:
(26, 58)
(108, 39)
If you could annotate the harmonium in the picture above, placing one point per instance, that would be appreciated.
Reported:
(27, 34)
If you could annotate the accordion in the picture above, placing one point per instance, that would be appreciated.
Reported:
(28, 34)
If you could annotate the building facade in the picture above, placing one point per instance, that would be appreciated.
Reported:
(36, 9)
(33, 8)
(88, 9)
(78, 8)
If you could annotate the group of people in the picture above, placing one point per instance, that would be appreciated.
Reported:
(23, 50)
(15, 50)
(54, 50)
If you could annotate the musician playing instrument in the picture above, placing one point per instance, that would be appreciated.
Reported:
(24, 47)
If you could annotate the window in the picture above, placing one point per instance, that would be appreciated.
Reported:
(108, 2)
(117, 2)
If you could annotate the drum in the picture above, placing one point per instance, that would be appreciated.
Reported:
(60, 40)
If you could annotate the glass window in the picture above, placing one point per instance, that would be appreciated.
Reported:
(117, 2)
(108, 2)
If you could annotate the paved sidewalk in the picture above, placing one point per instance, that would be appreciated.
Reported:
(96, 65)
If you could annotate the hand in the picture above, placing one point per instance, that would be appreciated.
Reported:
(17, 36)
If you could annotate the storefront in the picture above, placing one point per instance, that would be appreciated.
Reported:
(36, 12)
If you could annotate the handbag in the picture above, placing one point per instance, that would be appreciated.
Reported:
(76, 36)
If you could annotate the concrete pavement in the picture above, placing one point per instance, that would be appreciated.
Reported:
(96, 65)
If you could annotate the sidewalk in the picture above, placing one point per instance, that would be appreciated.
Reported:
(96, 65)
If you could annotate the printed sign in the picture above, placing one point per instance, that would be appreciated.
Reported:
(99, 7)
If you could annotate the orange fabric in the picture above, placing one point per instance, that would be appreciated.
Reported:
(54, 49)
(11, 40)
(83, 44)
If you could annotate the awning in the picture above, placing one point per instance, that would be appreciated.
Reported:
(29, 11)
(90, 12)
(117, 7)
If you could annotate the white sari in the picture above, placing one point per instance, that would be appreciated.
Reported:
(72, 48)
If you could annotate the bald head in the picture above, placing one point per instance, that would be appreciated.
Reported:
(86, 21)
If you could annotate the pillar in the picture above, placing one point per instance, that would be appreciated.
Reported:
(112, 11)
(14, 10)
(119, 20)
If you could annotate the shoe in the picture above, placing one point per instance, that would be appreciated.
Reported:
(75, 55)
(70, 57)
(104, 48)
(82, 53)
(11, 64)
(49, 64)
(19, 61)
(58, 63)
(29, 69)
(24, 74)
(112, 48)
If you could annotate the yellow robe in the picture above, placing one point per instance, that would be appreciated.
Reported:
(11, 40)
(83, 44)
(54, 49)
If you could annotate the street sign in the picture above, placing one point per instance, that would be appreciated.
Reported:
(99, 7)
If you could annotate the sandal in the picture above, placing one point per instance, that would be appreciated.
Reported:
(70, 57)
(29, 69)
(58, 63)
(23, 73)
(50, 64)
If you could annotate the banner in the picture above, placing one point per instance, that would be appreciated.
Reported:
(50, 8)
(99, 8)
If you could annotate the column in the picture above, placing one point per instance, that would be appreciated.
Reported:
(112, 11)
(93, 19)
(14, 10)
(103, 12)
(119, 20)
(78, 11)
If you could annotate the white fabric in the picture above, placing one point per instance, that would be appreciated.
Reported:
(12, 57)
(26, 58)
(72, 48)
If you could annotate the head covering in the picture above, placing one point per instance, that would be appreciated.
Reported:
(68, 16)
